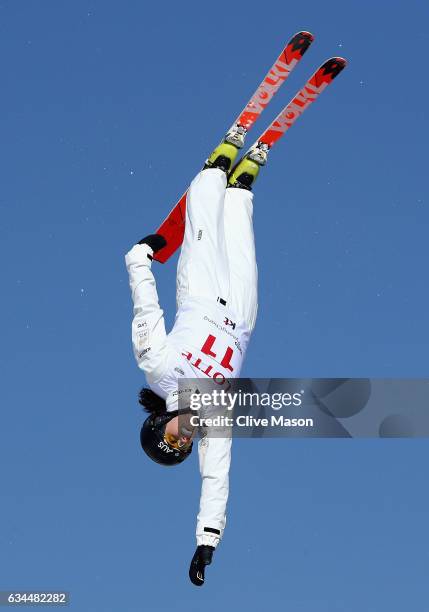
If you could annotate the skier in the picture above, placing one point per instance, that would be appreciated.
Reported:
(216, 313)
(216, 294)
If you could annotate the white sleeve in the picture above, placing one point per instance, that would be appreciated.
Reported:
(148, 327)
(215, 458)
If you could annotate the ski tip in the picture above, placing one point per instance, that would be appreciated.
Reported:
(305, 34)
(333, 66)
(301, 39)
(298, 45)
(340, 60)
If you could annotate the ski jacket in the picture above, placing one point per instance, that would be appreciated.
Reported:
(207, 341)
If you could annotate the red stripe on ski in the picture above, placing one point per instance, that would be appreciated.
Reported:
(173, 230)
(308, 94)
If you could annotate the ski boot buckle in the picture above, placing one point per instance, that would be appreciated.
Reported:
(259, 153)
(236, 136)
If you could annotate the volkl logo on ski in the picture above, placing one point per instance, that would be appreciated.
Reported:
(298, 105)
(276, 77)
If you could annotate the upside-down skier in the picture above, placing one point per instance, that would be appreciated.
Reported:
(216, 313)
(216, 296)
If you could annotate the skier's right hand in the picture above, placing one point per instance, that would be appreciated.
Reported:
(155, 241)
(202, 557)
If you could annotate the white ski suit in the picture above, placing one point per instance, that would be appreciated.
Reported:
(216, 312)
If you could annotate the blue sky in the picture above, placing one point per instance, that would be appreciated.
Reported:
(108, 110)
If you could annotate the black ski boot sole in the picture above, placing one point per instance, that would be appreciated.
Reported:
(222, 162)
(244, 181)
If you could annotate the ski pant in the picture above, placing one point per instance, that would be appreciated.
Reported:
(217, 260)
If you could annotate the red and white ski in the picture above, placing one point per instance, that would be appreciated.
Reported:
(306, 96)
(276, 76)
(258, 152)
(173, 227)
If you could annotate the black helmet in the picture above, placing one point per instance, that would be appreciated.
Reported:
(153, 443)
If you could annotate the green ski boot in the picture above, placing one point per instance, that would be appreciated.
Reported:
(245, 172)
(224, 155)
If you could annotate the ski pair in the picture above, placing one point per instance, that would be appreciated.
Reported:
(246, 170)
(173, 227)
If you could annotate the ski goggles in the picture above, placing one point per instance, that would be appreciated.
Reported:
(176, 443)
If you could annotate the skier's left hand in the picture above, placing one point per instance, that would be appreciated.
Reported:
(202, 557)
(155, 241)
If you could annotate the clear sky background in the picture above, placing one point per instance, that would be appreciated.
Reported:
(108, 110)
